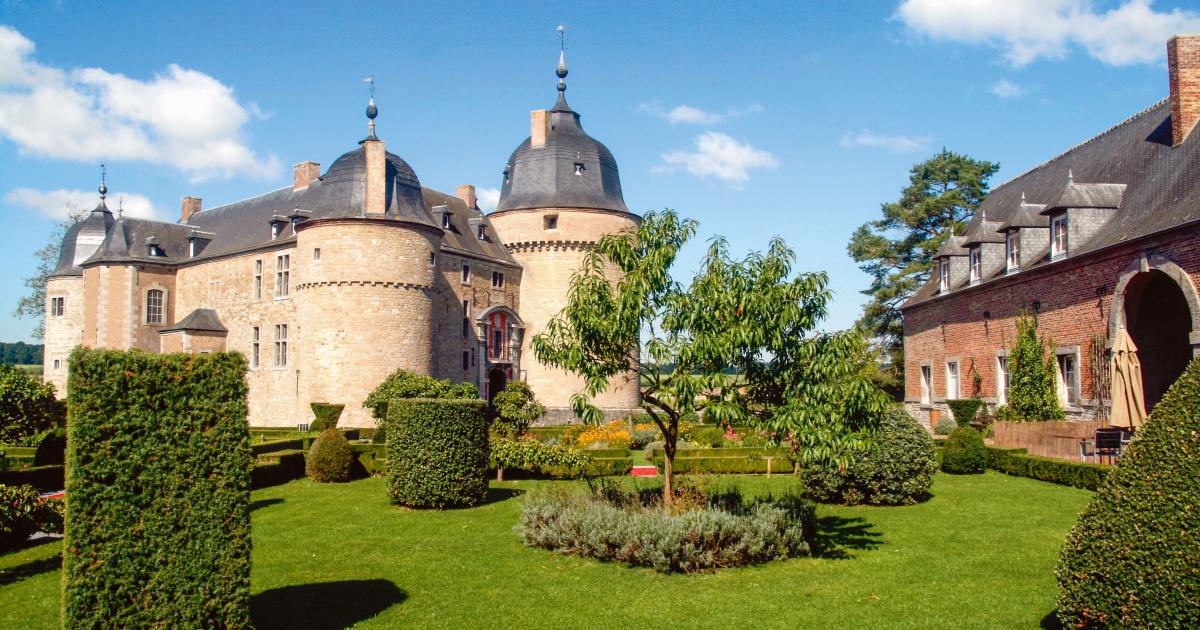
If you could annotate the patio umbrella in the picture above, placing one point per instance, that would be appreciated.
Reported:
(1128, 399)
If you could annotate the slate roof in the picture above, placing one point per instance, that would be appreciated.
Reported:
(199, 320)
(462, 237)
(982, 230)
(82, 240)
(952, 246)
(1027, 215)
(1161, 184)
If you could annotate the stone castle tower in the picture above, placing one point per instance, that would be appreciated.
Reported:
(561, 193)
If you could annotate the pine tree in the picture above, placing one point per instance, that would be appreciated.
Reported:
(1032, 391)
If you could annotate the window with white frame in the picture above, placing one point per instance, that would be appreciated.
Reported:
(283, 273)
(1012, 244)
(466, 274)
(258, 270)
(976, 262)
(944, 273)
(1068, 379)
(952, 380)
(466, 319)
(281, 345)
(926, 384)
(276, 229)
(1058, 236)
(58, 305)
(497, 280)
(255, 344)
(192, 248)
(155, 299)
(1001, 379)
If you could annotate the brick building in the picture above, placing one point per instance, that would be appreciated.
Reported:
(1102, 237)
(331, 283)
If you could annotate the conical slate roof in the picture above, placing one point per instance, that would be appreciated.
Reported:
(83, 239)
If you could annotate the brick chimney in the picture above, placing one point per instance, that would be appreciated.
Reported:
(1183, 64)
(374, 194)
(190, 206)
(466, 192)
(304, 174)
(539, 126)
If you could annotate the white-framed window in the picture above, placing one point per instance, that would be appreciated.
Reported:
(1001, 379)
(156, 300)
(481, 232)
(976, 262)
(445, 220)
(258, 270)
(192, 248)
(58, 306)
(952, 390)
(283, 274)
(944, 276)
(1068, 378)
(926, 384)
(1058, 236)
(276, 229)
(281, 345)
(1012, 246)
(255, 346)
(317, 254)
(497, 280)
(155, 251)
(466, 274)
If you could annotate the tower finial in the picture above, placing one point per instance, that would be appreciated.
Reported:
(1070, 176)
(1022, 197)
(561, 70)
(372, 110)
(103, 182)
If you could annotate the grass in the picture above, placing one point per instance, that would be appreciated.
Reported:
(979, 554)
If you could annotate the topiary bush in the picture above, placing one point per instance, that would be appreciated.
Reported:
(896, 470)
(330, 459)
(380, 434)
(325, 416)
(158, 485)
(24, 512)
(27, 406)
(528, 454)
(1132, 560)
(514, 409)
(437, 452)
(52, 450)
(964, 452)
(964, 409)
(405, 384)
(945, 426)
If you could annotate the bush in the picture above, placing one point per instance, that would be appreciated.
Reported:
(945, 426)
(897, 470)
(405, 384)
(23, 512)
(1015, 462)
(528, 454)
(27, 406)
(52, 450)
(330, 458)
(325, 416)
(718, 531)
(965, 452)
(1131, 560)
(1032, 391)
(964, 409)
(158, 479)
(707, 437)
(643, 435)
(380, 434)
(611, 435)
(515, 408)
(437, 452)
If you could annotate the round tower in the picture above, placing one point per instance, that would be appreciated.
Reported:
(561, 193)
(364, 280)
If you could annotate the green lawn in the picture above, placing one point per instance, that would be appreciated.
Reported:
(980, 553)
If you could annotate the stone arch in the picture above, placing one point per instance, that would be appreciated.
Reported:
(1154, 262)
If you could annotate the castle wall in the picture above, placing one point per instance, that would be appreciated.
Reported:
(63, 332)
(450, 340)
(143, 334)
(550, 252)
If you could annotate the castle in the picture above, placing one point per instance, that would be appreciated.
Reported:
(332, 283)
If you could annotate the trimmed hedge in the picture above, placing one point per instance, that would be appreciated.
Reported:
(158, 513)
(1133, 559)
(964, 409)
(52, 451)
(964, 452)
(897, 470)
(1016, 462)
(262, 448)
(437, 452)
(330, 459)
(736, 461)
(325, 416)
(44, 478)
(276, 468)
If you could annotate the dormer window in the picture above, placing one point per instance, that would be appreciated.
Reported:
(579, 168)
(1012, 246)
(507, 173)
(482, 232)
(192, 249)
(1058, 236)
(155, 251)
(944, 276)
(276, 229)
(976, 265)
(445, 220)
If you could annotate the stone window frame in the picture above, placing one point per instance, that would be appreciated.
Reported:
(283, 275)
(162, 307)
(957, 378)
(1076, 386)
(1012, 252)
(926, 397)
(1059, 222)
(465, 274)
(497, 279)
(258, 278)
(281, 346)
(255, 347)
(317, 254)
(1001, 396)
(550, 221)
(466, 360)
(58, 305)
(57, 365)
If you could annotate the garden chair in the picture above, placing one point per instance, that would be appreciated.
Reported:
(1109, 443)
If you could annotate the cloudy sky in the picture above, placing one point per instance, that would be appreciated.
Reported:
(795, 119)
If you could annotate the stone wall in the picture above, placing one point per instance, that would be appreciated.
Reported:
(449, 341)
(63, 332)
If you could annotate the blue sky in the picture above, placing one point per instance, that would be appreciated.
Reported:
(760, 119)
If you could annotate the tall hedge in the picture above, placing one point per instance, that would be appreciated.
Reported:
(1133, 559)
(158, 491)
(437, 452)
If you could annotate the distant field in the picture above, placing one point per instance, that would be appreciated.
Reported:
(32, 370)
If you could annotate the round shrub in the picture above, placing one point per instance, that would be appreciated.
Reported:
(27, 406)
(52, 450)
(437, 452)
(964, 409)
(325, 416)
(897, 470)
(515, 408)
(405, 384)
(964, 453)
(380, 434)
(1132, 561)
(330, 458)
(945, 426)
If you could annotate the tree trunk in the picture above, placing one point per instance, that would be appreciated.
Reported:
(499, 473)
(672, 439)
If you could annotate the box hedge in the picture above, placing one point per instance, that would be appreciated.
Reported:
(964, 452)
(1133, 559)
(437, 452)
(44, 478)
(158, 491)
(276, 468)
(325, 416)
(1016, 462)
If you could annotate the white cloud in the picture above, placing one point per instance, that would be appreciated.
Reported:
(720, 156)
(894, 144)
(181, 118)
(57, 204)
(688, 115)
(487, 198)
(1007, 89)
(1027, 30)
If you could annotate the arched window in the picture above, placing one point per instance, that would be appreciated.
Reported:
(155, 299)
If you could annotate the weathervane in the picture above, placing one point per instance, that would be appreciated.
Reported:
(103, 182)
(372, 110)
(561, 71)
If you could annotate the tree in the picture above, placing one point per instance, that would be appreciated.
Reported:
(1032, 390)
(34, 303)
(27, 406)
(942, 194)
(515, 408)
(405, 384)
(751, 317)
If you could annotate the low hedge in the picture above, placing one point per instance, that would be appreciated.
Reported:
(964, 452)
(738, 461)
(437, 452)
(1016, 462)
(44, 478)
(276, 468)
(372, 458)
(291, 444)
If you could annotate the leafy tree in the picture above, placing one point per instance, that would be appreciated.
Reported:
(896, 250)
(27, 406)
(515, 408)
(751, 316)
(405, 384)
(1032, 390)
(20, 353)
(34, 303)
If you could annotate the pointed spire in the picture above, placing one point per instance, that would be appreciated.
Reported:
(372, 110)
(561, 71)
(103, 190)
(1070, 176)
(1022, 197)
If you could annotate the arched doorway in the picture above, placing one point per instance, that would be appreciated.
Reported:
(1159, 320)
(497, 381)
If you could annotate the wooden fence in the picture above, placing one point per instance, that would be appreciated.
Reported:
(1059, 439)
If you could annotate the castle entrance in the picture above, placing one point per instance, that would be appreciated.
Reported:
(497, 381)
(1159, 321)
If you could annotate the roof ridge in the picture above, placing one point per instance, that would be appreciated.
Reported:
(1111, 129)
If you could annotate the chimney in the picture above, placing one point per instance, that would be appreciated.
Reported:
(466, 192)
(304, 174)
(190, 206)
(539, 126)
(1183, 64)
(374, 194)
